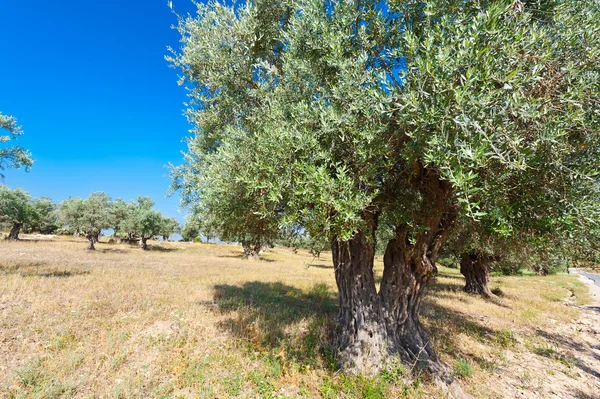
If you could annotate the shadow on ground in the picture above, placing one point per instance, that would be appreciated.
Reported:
(571, 360)
(274, 315)
(278, 316)
(244, 257)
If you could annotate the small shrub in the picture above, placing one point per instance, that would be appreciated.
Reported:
(462, 368)
(505, 338)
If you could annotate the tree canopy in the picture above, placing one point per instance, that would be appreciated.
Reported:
(341, 116)
(87, 216)
(12, 156)
(15, 210)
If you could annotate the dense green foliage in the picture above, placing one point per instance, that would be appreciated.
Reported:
(12, 156)
(331, 110)
(143, 222)
(44, 218)
(15, 209)
(87, 216)
(344, 116)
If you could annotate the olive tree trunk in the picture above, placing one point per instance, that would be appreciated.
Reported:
(143, 243)
(376, 325)
(475, 266)
(14, 231)
(90, 238)
(251, 250)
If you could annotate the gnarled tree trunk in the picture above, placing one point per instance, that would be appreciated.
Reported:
(375, 325)
(14, 231)
(143, 243)
(251, 250)
(475, 266)
(363, 336)
(90, 238)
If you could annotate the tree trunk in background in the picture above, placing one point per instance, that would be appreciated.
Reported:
(90, 238)
(96, 237)
(251, 250)
(143, 243)
(14, 231)
(475, 267)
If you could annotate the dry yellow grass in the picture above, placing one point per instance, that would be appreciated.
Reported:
(197, 320)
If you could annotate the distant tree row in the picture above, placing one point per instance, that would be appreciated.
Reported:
(131, 222)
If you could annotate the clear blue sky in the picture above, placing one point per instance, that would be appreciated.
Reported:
(99, 106)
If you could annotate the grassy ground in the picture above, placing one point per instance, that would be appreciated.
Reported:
(197, 320)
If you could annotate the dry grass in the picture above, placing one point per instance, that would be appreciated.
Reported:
(197, 320)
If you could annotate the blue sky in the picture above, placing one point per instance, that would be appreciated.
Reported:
(99, 106)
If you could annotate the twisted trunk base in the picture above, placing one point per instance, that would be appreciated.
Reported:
(90, 238)
(14, 231)
(144, 243)
(375, 327)
(251, 250)
(475, 268)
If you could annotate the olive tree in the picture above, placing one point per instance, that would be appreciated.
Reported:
(168, 226)
(339, 116)
(15, 210)
(190, 230)
(142, 221)
(12, 156)
(87, 216)
(44, 216)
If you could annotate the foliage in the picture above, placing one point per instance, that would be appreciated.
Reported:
(190, 230)
(87, 216)
(141, 220)
(44, 216)
(12, 156)
(317, 119)
(168, 226)
(15, 209)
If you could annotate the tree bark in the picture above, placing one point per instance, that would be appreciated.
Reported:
(14, 231)
(96, 237)
(251, 250)
(475, 267)
(362, 337)
(90, 238)
(375, 325)
(143, 243)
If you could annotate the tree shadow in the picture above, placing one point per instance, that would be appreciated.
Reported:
(156, 248)
(113, 250)
(446, 325)
(278, 316)
(319, 266)
(244, 257)
(53, 273)
(579, 394)
(575, 347)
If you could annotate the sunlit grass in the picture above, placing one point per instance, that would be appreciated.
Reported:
(197, 320)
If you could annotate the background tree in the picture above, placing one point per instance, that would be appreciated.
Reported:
(44, 216)
(168, 226)
(12, 156)
(340, 116)
(87, 216)
(119, 211)
(15, 210)
(142, 221)
(190, 230)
